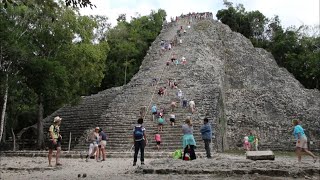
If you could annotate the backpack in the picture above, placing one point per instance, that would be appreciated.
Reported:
(177, 154)
(138, 133)
(55, 131)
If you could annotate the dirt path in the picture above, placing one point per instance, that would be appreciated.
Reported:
(222, 166)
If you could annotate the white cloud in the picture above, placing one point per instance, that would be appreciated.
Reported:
(291, 12)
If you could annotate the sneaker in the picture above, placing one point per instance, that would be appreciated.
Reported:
(134, 164)
(58, 164)
(142, 163)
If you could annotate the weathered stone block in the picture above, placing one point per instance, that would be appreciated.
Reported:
(260, 155)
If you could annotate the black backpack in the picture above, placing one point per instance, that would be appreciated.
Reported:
(138, 133)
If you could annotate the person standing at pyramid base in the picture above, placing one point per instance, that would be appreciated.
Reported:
(139, 141)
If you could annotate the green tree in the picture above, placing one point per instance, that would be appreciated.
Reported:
(13, 50)
(73, 3)
(129, 42)
(66, 53)
(250, 24)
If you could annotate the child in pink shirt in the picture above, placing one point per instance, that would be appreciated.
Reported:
(157, 137)
(246, 144)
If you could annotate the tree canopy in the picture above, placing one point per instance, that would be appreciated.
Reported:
(129, 42)
(292, 48)
(57, 54)
(53, 55)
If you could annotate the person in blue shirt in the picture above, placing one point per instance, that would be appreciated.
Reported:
(153, 111)
(301, 141)
(206, 133)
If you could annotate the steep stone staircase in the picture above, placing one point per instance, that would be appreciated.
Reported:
(75, 119)
(238, 87)
(119, 119)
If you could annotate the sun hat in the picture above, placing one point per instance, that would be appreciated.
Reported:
(56, 119)
(97, 128)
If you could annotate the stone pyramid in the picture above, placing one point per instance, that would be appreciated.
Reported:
(238, 87)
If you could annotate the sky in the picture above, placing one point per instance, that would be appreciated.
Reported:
(290, 12)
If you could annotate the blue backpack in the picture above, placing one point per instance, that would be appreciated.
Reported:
(138, 133)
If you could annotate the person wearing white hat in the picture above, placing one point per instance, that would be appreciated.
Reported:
(55, 140)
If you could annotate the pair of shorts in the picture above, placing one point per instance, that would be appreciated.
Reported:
(172, 119)
(53, 146)
(173, 59)
(160, 124)
(103, 144)
(302, 142)
(158, 142)
(154, 113)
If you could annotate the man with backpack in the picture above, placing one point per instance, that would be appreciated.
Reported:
(139, 140)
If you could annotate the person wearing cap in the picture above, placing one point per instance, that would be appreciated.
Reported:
(55, 140)
(94, 141)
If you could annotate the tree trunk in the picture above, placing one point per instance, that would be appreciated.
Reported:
(4, 106)
(4, 134)
(13, 139)
(40, 123)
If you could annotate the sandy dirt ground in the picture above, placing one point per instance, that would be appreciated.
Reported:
(165, 168)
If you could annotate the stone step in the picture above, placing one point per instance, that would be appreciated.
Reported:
(82, 154)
